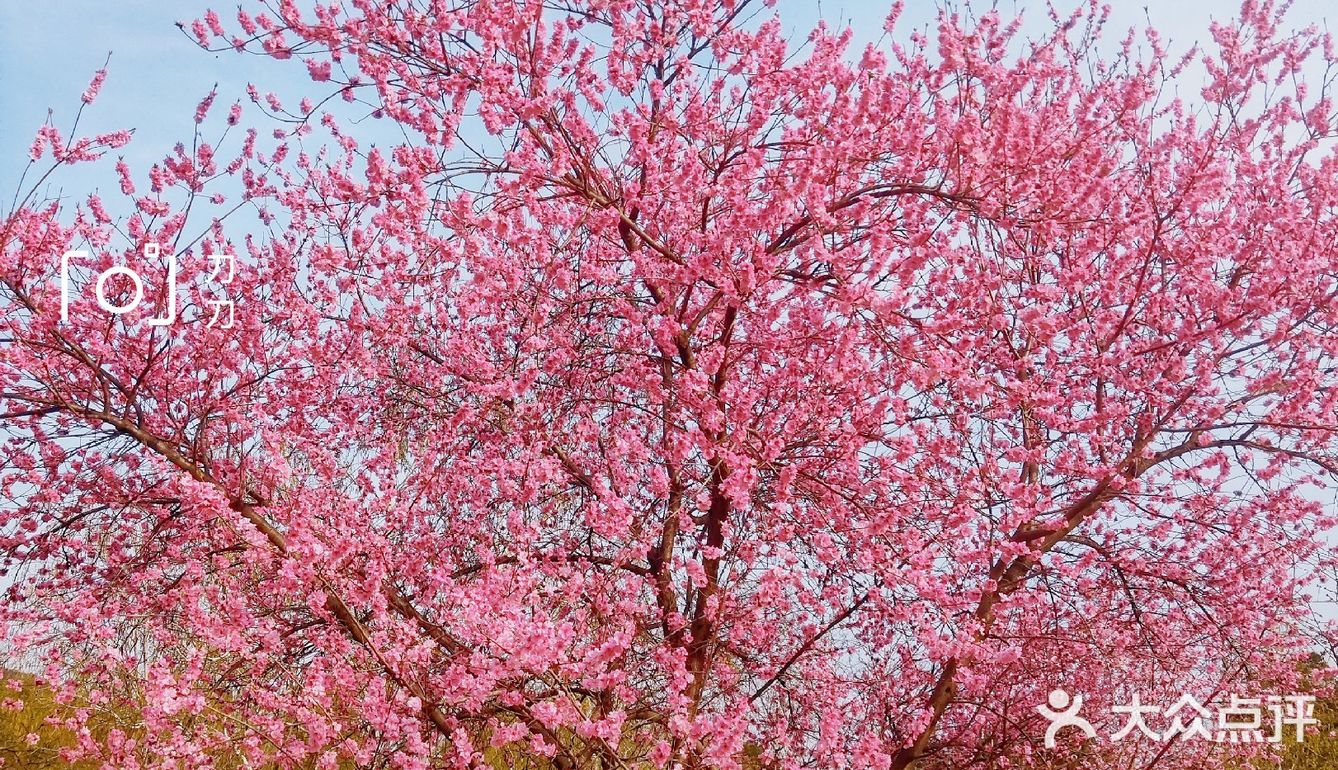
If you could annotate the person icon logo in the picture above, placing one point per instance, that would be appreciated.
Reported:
(1062, 712)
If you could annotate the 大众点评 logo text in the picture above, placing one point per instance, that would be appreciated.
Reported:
(1240, 720)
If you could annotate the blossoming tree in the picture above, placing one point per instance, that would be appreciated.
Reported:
(671, 395)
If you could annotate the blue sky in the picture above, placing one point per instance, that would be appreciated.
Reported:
(48, 51)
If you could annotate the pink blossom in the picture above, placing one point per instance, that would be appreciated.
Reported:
(319, 70)
(672, 390)
(94, 86)
(123, 173)
(203, 108)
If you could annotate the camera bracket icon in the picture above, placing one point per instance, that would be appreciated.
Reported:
(153, 252)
